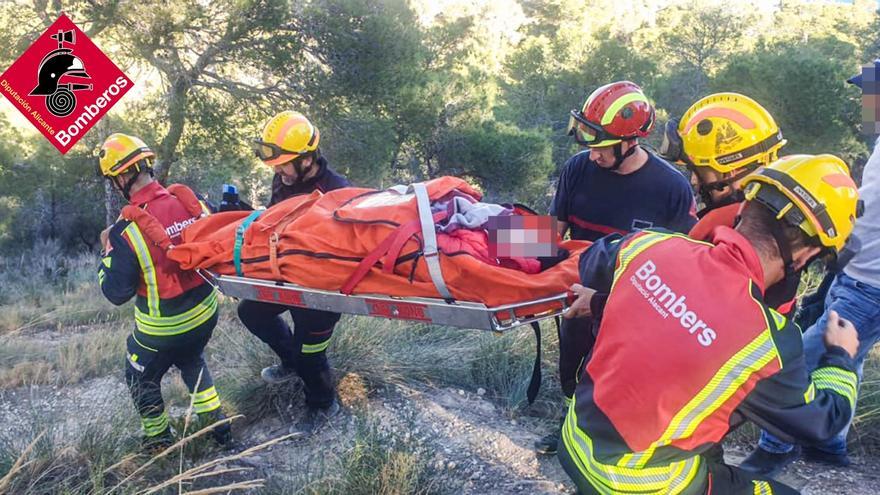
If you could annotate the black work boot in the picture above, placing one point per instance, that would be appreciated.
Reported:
(316, 418)
(547, 444)
(277, 373)
(222, 434)
(153, 445)
(814, 454)
(768, 464)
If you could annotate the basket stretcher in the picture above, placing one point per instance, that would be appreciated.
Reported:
(434, 311)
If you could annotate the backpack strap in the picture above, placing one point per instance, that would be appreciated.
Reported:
(189, 200)
(148, 224)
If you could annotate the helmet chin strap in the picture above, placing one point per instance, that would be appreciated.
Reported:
(784, 290)
(125, 188)
(620, 156)
(736, 196)
(301, 171)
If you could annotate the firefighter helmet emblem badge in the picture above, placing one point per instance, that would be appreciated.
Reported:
(53, 76)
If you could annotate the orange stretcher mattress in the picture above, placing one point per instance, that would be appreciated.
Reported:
(319, 241)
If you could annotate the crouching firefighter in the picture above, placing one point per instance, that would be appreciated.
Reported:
(175, 310)
(687, 349)
(289, 145)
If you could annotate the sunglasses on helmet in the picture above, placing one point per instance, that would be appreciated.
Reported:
(587, 133)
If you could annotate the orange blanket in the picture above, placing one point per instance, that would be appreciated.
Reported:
(319, 240)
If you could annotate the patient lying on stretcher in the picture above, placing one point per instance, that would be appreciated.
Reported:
(406, 242)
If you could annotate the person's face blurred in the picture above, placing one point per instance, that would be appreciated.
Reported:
(870, 100)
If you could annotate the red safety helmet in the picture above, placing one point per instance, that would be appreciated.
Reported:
(616, 112)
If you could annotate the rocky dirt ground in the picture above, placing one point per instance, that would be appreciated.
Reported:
(472, 445)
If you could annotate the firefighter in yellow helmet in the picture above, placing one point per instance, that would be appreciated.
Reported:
(175, 310)
(289, 144)
(852, 290)
(672, 371)
(722, 138)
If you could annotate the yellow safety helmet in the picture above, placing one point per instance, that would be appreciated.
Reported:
(813, 192)
(285, 137)
(728, 131)
(121, 151)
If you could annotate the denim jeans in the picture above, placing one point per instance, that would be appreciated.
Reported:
(859, 303)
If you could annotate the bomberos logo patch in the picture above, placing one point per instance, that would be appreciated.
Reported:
(64, 84)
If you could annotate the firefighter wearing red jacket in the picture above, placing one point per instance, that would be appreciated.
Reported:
(687, 349)
(175, 310)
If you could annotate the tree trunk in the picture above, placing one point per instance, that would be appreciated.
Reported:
(112, 203)
(177, 100)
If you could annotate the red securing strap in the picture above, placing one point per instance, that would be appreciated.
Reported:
(402, 236)
(389, 248)
(367, 263)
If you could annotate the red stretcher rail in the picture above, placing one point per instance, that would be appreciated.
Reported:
(426, 310)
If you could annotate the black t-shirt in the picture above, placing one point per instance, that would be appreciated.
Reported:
(325, 180)
(596, 202)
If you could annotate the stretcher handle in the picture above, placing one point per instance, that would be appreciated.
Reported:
(513, 320)
(208, 278)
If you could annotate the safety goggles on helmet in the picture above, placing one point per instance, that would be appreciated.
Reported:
(672, 147)
(587, 133)
(269, 151)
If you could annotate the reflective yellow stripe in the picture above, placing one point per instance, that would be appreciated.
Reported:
(205, 209)
(810, 394)
(147, 268)
(721, 387)
(169, 321)
(762, 488)
(177, 324)
(106, 260)
(663, 479)
(636, 247)
(209, 406)
(640, 244)
(620, 103)
(206, 401)
(142, 345)
(101, 276)
(837, 380)
(313, 348)
(204, 395)
(609, 479)
(778, 319)
(155, 425)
